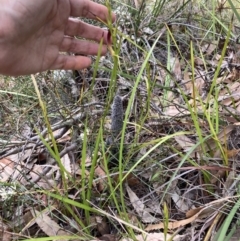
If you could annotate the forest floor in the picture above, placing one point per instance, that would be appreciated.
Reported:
(144, 145)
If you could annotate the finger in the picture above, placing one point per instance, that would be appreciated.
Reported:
(84, 30)
(89, 9)
(82, 47)
(71, 62)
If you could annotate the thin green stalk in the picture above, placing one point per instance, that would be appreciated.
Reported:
(83, 172)
(109, 178)
(93, 166)
(130, 102)
(56, 154)
(221, 235)
(165, 220)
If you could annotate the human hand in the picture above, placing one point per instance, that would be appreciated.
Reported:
(34, 35)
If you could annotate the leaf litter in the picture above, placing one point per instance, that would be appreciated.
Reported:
(195, 173)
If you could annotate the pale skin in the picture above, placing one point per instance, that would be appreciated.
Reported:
(36, 35)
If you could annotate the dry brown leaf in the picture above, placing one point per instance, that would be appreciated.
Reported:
(193, 211)
(67, 164)
(228, 191)
(99, 172)
(153, 206)
(155, 237)
(209, 48)
(133, 180)
(57, 134)
(198, 84)
(48, 226)
(198, 61)
(208, 208)
(175, 111)
(88, 161)
(187, 82)
(202, 212)
(137, 4)
(102, 225)
(140, 207)
(222, 137)
(6, 169)
(37, 169)
(184, 141)
(5, 233)
(231, 153)
(26, 131)
(21, 156)
(238, 106)
(177, 68)
(171, 225)
(66, 137)
(182, 203)
(25, 222)
(230, 97)
(108, 237)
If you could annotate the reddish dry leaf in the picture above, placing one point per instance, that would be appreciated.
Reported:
(209, 208)
(109, 38)
(198, 61)
(42, 157)
(99, 172)
(231, 153)
(202, 212)
(193, 212)
(171, 225)
(133, 181)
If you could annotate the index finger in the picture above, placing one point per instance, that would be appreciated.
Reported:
(89, 9)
